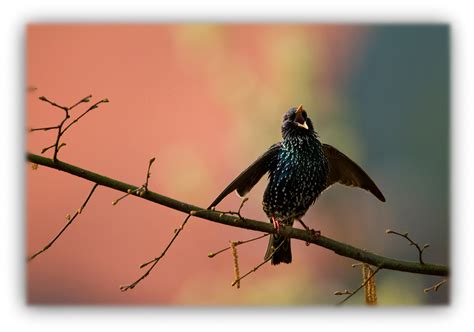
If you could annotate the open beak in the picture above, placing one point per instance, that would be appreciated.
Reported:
(299, 119)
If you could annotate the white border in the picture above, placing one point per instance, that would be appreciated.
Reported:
(17, 315)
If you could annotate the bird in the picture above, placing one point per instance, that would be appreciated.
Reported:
(300, 167)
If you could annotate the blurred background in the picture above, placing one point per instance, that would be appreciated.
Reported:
(206, 100)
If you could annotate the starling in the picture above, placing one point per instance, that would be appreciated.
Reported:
(300, 168)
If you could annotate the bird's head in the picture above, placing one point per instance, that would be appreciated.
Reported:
(296, 123)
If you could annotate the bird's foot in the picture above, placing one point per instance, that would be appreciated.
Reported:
(314, 233)
(276, 224)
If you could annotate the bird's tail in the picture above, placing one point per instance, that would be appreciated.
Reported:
(283, 249)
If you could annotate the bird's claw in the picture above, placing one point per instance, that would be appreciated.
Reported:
(314, 233)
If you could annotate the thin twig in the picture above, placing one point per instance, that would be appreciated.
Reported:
(148, 174)
(344, 292)
(176, 233)
(129, 192)
(238, 211)
(44, 128)
(140, 191)
(236, 243)
(96, 105)
(70, 220)
(43, 98)
(83, 100)
(154, 261)
(413, 243)
(60, 130)
(361, 286)
(435, 287)
(47, 148)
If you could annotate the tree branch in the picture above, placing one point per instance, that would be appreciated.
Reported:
(70, 220)
(266, 227)
(60, 127)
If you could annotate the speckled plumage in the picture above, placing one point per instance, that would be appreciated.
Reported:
(300, 168)
(296, 179)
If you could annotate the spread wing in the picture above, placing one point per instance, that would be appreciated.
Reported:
(249, 177)
(345, 171)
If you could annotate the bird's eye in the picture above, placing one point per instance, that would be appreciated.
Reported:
(292, 116)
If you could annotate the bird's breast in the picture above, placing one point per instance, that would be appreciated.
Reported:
(296, 179)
